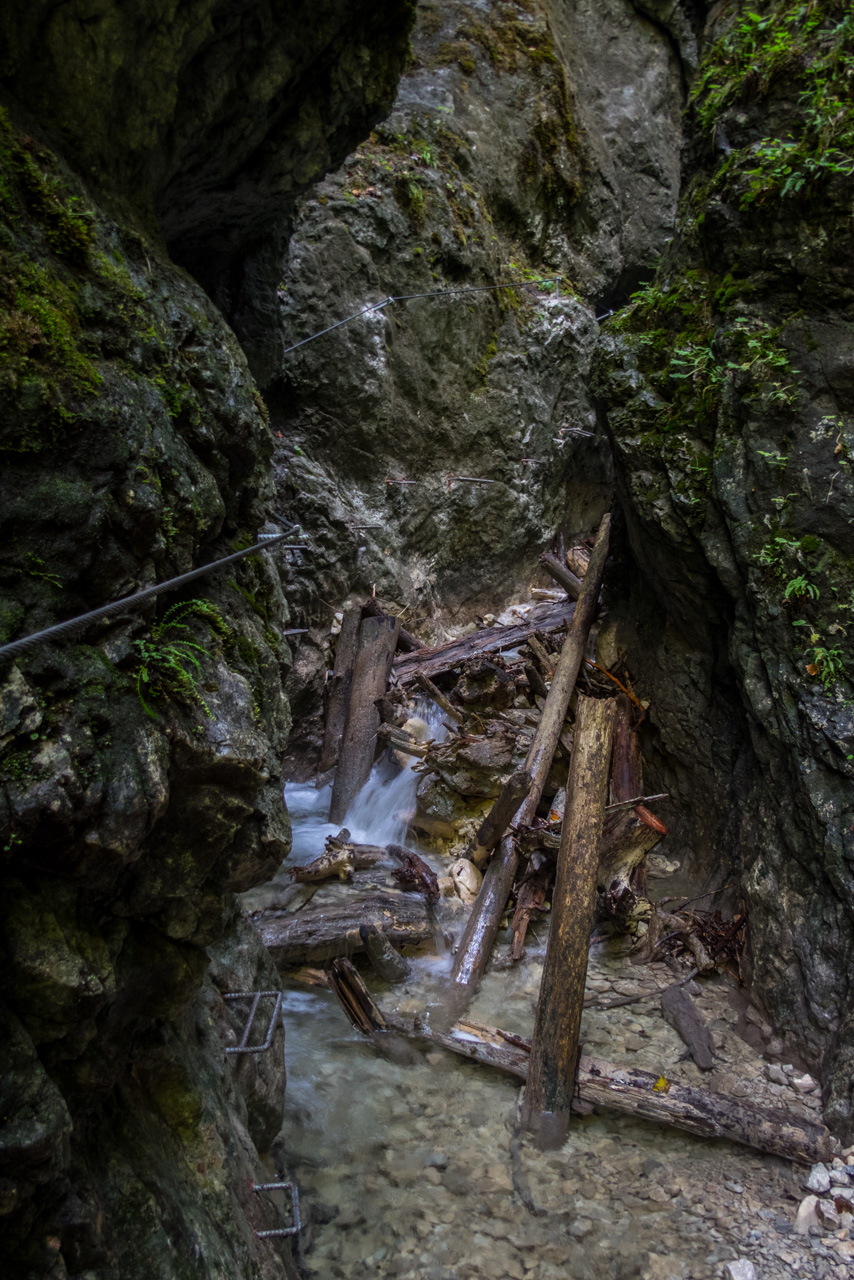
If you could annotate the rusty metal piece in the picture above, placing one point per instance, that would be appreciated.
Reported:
(291, 1189)
(255, 997)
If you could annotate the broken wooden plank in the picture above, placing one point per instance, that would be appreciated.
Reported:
(399, 740)
(338, 689)
(428, 687)
(405, 639)
(476, 944)
(354, 997)
(681, 1012)
(414, 873)
(385, 958)
(530, 899)
(377, 639)
(444, 657)
(565, 577)
(318, 934)
(498, 819)
(642, 1094)
(556, 1029)
(340, 858)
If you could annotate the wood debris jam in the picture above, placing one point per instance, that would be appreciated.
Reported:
(534, 781)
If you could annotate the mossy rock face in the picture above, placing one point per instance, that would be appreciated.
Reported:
(728, 389)
(227, 109)
(133, 799)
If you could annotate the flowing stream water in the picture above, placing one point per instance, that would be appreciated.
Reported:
(409, 1162)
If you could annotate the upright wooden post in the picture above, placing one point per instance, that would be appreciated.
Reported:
(554, 1050)
(338, 694)
(479, 935)
(377, 642)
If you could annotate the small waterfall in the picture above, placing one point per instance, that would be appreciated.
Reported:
(378, 815)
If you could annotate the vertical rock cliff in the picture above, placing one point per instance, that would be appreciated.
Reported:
(727, 390)
(140, 776)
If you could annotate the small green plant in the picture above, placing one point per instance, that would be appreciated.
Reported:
(779, 549)
(774, 459)
(798, 587)
(169, 666)
(826, 664)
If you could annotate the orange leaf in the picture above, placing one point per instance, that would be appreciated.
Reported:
(812, 669)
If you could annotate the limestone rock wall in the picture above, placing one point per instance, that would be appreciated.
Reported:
(528, 141)
(727, 391)
(140, 764)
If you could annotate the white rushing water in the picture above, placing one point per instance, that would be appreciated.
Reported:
(379, 814)
(406, 1159)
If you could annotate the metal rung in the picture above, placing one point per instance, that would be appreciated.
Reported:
(291, 1188)
(255, 997)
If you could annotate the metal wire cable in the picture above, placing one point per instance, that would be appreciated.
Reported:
(408, 297)
(129, 602)
(119, 606)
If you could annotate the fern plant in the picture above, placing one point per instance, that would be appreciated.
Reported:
(169, 665)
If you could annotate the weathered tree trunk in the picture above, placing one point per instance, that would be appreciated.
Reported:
(563, 576)
(680, 1011)
(499, 818)
(318, 934)
(354, 997)
(405, 639)
(477, 941)
(385, 958)
(437, 696)
(444, 657)
(340, 858)
(627, 782)
(555, 1044)
(641, 1094)
(530, 897)
(338, 691)
(627, 838)
(377, 640)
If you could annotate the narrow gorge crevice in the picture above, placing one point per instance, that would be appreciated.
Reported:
(185, 198)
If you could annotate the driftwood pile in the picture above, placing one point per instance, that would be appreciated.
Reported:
(550, 738)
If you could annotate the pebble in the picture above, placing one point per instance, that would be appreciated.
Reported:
(806, 1216)
(805, 1084)
(818, 1180)
(740, 1269)
(776, 1074)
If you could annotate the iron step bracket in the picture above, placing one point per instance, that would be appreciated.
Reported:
(255, 997)
(291, 1189)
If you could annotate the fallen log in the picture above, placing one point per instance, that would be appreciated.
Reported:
(498, 819)
(338, 689)
(563, 576)
(386, 959)
(578, 558)
(530, 899)
(444, 657)
(428, 687)
(405, 639)
(377, 639)
(340, 858)
(627, 837)
(318, 934)
(399, 740)
(685, 1018)
(542, 655)
(642, 1094)
(354, 997)
(556, 1028)
(627, 780)
(414, 874)
(478, 937)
